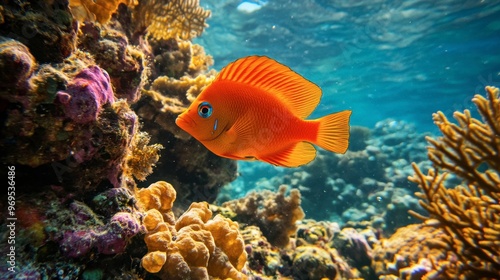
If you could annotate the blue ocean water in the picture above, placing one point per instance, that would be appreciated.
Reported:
(382, 59)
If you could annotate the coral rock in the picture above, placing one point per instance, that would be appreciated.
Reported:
(313, 263)
(47, 28)
(76, 244)
(16, 63)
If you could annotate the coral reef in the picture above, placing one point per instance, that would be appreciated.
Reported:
(469, 213)
(194, 246)
(274, 213)
(65, 119)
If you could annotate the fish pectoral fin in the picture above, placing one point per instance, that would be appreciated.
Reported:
(231, 136)
(241, 131)
(292, 156)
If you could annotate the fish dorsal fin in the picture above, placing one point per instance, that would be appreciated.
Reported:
(298, 93)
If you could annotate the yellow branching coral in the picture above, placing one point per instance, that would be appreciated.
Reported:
(469, 213)
(193, 247)
(177, 19)
(96, 10)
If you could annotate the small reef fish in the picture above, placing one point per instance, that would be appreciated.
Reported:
(255, 109)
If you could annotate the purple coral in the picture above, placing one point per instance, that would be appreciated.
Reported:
(75, 244)
(110, 239)
(115, 237)
(86, 94)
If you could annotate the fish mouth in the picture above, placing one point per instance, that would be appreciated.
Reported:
(184, 121)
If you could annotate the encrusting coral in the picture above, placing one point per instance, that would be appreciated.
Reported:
(468, 213)
(412, 252)
(193, 247)
(274, 213)
(86, 95)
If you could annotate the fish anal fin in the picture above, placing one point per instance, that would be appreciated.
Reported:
(299, 94)
(292, 156)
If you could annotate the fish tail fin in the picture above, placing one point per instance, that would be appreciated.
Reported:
(333, 132)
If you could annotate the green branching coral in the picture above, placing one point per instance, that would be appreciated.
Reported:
(469, 213)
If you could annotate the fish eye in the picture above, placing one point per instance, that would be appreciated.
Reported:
(205, 110)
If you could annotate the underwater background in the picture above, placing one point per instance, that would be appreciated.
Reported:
(101, 183)
(382, 59)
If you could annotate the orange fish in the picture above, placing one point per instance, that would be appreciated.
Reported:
(256, 109)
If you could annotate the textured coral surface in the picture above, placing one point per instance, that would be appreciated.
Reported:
(274, 213)
(192, 247)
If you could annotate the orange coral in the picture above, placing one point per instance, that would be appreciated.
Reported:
(194, 247)
(160, 195)
(100, 10)
(469, 213)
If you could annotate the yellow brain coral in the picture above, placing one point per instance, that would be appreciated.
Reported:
(469, 213)
(193, 247)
